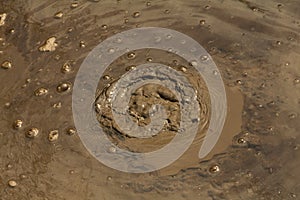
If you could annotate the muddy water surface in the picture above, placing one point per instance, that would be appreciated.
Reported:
(256, 46)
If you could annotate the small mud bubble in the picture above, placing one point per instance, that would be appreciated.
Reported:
(136, 14)
(74, 5)
(131, 55)
(207, 7)
(71, 131)
(58, 15)
(33, 132)
(57, 105)
(149, 59)
(2, 18)
(292, 116)
(132, 67)
(82, 44)
(202, 22)
(49, 45)
(168, 37)
(104, 27)
(41, 92)
(9, 166)
(241, 141)
(63, 87)
(112, 149)
(12, 183)
(204, 58)
(214, 169)
(6, 65)
(66, 68)
(111, 50)
(106, 77)
(183, 69)
(18, 124)
(53, 135)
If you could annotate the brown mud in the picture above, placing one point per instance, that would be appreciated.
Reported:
(256, 46)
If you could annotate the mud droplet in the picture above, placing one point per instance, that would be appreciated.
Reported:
(12, 183)
(131, 55)
(66, 68)
(57, 57)
(136, 14)
(132, 67)
(57, 105)
(9, 166)
(214, 169)
(2, 18)
(53, 135)
(74, 5)
(63, 87)
(168, 37)
(82, 44)
(202, 22)
(239, 82)
(50, 45)
(207, 7)
(98, 108)
(104, 26)
(6, 65)
(70, 30)
(193, 63)
(111, 50)
(112, 149)
(106, 77)
(245, 74)
(71, 131)
(18, 124)
(41, 91)
(241, 141)
(271, 170)
(149, 59)
(58, 15)
(33, 132)
(118, 40)
(183, 69)
(157, 39)
(292, 116)
(279, 5)
(204, 58)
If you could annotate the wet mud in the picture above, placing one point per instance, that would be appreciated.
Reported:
(256, 46)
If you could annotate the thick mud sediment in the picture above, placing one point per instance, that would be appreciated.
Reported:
(256, 46)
